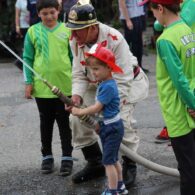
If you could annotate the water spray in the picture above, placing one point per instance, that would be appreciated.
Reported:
(90, 122)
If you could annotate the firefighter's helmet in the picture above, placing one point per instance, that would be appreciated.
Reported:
(81, 16)
(102, 53)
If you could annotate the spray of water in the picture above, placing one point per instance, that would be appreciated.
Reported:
(21, 60)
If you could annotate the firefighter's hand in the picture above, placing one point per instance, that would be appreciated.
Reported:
(28, 91)
(76, 111)
(192, 113)
(76, 101)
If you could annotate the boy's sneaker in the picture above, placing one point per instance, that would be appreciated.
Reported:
(122, 190)
(47, 165)
(108, 192)
(163, 137)
(66, 167)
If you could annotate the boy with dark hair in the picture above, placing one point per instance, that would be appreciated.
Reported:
(175, 73)
(47, 51)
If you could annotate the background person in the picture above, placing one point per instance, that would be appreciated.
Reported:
(21, 18)
(66, 5)
(131, 15)
(22, 24)
(31, 6)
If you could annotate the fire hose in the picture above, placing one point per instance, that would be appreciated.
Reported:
(90, 121)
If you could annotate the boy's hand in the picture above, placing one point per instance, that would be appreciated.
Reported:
(77, 111)
(192, 113)
(28, 91)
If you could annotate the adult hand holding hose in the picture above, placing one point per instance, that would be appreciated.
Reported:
(76, 101)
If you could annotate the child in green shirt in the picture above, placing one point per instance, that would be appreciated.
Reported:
(175, 73)
(46, 50)
(188, 17)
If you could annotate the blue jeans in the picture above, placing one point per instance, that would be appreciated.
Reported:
(111, 136)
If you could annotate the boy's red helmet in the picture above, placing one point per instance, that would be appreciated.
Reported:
(102, 53)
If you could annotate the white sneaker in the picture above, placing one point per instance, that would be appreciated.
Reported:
(122, 190)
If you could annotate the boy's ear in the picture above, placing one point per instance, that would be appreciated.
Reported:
(160, 8)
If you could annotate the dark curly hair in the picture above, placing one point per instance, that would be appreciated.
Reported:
(41, 4)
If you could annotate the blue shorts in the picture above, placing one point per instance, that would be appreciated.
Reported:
(111, 136)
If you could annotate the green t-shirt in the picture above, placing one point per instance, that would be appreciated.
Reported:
(48, 53)
(188, 13)
(175, 73)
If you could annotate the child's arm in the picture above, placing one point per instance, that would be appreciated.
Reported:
(97, 107)
(28, 57)
(174, 66)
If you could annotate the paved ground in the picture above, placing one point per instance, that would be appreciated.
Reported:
(20, 156)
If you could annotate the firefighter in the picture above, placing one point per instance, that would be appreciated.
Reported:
(86, 31)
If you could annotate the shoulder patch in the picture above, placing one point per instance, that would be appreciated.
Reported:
(114, 37)
(83, 63)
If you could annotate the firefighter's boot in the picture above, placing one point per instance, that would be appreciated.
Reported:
(129, 171)
(94, 167)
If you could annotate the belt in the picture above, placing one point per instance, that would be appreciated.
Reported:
(112, 120)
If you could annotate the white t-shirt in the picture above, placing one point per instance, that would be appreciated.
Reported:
(134, 10)
(24, 14)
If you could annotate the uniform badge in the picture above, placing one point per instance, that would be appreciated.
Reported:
(73, 15)
(90, 16)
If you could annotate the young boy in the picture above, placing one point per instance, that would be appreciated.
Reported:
(111, 129)
(175, 75)
(188, 17)
(46, 50)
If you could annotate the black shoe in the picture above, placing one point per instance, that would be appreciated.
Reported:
(47, 166)
(129, 172)
(66, 167)
(90, 171)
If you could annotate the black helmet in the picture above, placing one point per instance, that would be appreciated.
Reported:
(81, 16)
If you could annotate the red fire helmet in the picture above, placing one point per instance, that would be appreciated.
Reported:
(102, 53)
